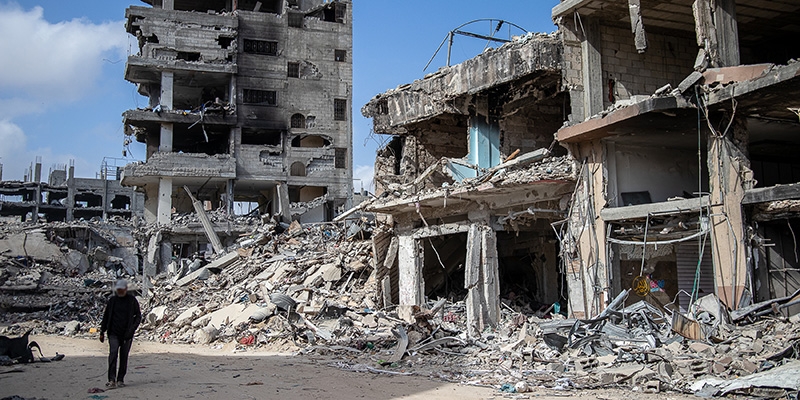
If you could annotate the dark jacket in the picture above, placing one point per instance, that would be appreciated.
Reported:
(122, 316)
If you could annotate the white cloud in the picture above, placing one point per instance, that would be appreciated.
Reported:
(44, 65)
(364, 176)
(16, 157)
(13, 139)
(53, 62)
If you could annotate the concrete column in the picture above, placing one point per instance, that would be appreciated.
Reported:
(229, 196)
(412, 285)
(165, 142)
(587, 274)
(472, 282)
(282, 200)
(482, 279)
(491, 275)
(71, 194)
(729, 177)
(168, 4)
(592, 69)
(37, 172)
(727, 33)
(167, 80)
(105, 199)
(164, 215)
(151, 204)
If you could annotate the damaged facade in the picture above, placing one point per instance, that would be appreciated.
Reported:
(64, 197)
(463, 180)
(672, 172)
(249, 101)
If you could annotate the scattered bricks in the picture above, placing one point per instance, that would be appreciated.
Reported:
(606, 360)
(675, 347)
(665, 370)
(557, 367)
(586, 364)
(747, 366)
(752, 333)
(623, 373)
(644, 376)
(698, 368)
(702, 349)
(758, 346)
(652, 387)
(717, 368)
(726, 360)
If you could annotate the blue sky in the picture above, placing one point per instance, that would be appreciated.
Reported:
(62, 90)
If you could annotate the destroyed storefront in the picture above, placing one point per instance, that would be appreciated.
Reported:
(686, 127)
(470, 182)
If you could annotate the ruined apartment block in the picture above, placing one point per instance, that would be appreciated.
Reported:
(673, 173)
(64, 197)
(249, 101)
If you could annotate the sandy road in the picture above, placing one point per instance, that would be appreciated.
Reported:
(158, 371)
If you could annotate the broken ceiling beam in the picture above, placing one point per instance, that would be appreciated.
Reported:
(609, 124)
(772, 193)
(219, 263)
(207, 226)
(643, 210)
(525, 159)
(568, 6)
(768, 93)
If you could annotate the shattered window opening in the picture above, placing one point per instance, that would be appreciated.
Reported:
(261, 137)
(188, 56)
(298, 121)
(340, 159)
(296, 19)
(340, 110)
(298, 169)
(293, 70)
(261, 97)
(340, 55)
(313, 141)
(264, 6)
(224, 42)
(262, 47)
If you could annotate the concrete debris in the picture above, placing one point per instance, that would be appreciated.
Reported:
(312, 289)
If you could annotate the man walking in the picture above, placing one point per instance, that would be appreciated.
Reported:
(120, 319)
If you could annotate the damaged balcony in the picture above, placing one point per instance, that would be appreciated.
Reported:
(180, 165)
(445, 91)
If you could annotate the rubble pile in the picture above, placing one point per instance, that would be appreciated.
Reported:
(311, 289)
(633, 347)
(55, 273)
(549, 168)
(267, 290)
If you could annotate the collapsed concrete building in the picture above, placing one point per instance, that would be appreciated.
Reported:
(249, 101)
(673, 172)
(65, 197)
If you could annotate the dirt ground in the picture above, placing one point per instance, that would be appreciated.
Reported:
(185, 372)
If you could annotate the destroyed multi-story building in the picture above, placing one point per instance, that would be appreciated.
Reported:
(672, 174)
(249, 101)
(65, 197)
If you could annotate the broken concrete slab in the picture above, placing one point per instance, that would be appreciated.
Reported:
(219, 263)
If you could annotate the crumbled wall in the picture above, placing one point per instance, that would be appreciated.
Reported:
(668, 60)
